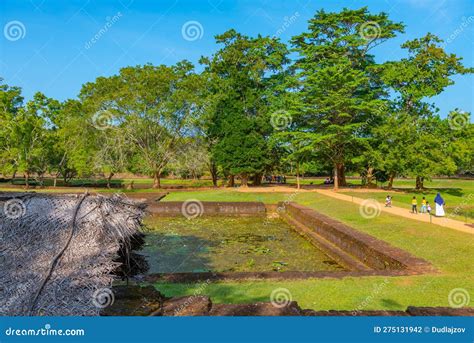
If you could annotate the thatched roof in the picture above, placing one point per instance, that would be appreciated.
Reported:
(57, 252)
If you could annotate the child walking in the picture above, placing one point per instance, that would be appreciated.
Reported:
(428, 208)
(423, 205)
(388, 201)
(414, 203)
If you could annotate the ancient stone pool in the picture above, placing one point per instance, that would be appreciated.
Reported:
(229, 244)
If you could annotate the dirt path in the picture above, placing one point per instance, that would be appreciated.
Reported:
(402, 212)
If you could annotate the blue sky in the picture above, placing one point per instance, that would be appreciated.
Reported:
(55, 52)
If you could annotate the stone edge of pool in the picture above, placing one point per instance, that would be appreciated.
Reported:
(344, 243)
(362, 254)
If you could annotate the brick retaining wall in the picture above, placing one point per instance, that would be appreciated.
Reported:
(370, 251)
(208, 208)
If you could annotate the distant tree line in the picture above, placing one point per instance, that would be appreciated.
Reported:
(321, 104)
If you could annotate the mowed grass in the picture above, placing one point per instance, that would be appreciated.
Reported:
(458, 195)
(226, 194)
(450, 251)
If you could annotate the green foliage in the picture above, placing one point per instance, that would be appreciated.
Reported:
(341, 111)
(420, 143)
(337, 87)
(426, 71)
(243, 79)
(147, 111)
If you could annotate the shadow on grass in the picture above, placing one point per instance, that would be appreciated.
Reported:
(391, 304)
(458, 192)
(218, 292)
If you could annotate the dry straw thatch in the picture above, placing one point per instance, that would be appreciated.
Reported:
(57, 252)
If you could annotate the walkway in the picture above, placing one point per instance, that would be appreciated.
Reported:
(402, 212)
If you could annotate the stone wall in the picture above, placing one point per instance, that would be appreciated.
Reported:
(207, 208)
(368, 250)
(134, 300)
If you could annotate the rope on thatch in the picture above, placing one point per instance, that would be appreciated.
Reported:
(58, 251)
(60, 254)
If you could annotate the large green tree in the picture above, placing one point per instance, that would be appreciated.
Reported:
(10, 103)
(425, 73)
(31, 134)
(153, 107)
(243, 77)
(337, 87)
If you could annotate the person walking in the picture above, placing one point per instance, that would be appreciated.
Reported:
(439, 203)
(423, 205)
(414, 204)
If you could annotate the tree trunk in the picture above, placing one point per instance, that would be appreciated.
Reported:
(156, 180)
(390, 180)
(244, 180)
(27, 180)
(336, 179)
(298, 185)
(257, 179)
(109, 178)
(419, 182)
(370, 176)
(231, 181)
(41, 180)
(213, 171)
(342, 174)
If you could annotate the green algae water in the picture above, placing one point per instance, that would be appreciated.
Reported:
(229, 244)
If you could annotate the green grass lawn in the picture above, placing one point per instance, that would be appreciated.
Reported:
(458, 195)
(450, 251)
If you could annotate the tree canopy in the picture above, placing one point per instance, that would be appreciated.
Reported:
(321, 104)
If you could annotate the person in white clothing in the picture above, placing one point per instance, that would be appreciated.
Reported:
(439, 210)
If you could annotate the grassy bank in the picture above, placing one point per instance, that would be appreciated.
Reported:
(451, 252)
